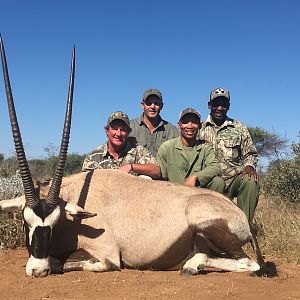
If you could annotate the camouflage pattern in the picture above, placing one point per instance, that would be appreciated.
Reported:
(101, 159)
(118, 115)
(189, 111)
(219, 92)
(232, 144)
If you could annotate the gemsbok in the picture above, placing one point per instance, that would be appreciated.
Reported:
(121, 220)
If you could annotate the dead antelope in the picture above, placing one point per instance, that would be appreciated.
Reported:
(136, 223)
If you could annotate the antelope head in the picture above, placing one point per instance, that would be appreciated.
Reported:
(40, 215)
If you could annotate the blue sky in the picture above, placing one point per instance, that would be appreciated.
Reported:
(184, 48)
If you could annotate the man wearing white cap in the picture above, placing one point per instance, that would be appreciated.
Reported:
(234, 149)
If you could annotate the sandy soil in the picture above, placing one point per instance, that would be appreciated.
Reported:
(130, 284)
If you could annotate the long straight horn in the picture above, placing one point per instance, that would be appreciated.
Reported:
(31, 195)
(59, 172)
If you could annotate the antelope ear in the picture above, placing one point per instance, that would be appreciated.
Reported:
(16, 204)
(78, 212)
(83, 215)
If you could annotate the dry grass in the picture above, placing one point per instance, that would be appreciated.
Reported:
(278, 224)
(11, 234)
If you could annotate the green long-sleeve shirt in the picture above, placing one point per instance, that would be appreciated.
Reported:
(178, 162)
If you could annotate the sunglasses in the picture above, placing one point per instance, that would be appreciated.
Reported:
(150, 102)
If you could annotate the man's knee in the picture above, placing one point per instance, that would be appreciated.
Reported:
(248, 196)
(250, 184)
(217, 184)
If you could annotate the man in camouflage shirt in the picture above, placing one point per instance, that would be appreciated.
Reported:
(234, 149)
(121, 153)
(150, 130)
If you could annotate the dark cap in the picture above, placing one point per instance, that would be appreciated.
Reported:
(118, 115)
(189, 111)
(152, 92)
(219, 92)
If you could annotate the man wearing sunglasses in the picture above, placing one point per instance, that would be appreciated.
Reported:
(234, 149)
(187, 160)
(150, 130)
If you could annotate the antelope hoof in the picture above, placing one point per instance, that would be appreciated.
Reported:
(188, 272)
(267, 269)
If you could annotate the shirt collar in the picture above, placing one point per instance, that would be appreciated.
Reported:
(160, 123)
(209, 122)
(180, 146)
(126, 149)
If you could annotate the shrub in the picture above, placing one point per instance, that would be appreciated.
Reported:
(282, 178)
(11, 224)
(42, 168)
(11, 234)
(8, 167)
(74, 163)
(11, 187)
(267, 144)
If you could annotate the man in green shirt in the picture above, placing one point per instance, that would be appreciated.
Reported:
(150, 130)
(189, 161)
(235, 150)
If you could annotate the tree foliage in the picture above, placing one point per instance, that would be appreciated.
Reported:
(42, 168)
(267, 144)
(8, 167)
(282, 178)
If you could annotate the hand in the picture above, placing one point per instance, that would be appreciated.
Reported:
(251, 172)
(191, 181)
(125, 168)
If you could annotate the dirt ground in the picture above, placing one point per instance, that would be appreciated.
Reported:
(131, 284)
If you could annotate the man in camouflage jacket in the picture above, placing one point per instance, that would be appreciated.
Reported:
(234, 149)
(121, 153)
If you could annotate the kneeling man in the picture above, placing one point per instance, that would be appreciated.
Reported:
(120, 152)
(187, 160)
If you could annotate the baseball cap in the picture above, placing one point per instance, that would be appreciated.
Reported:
(189, 111)
(149, 92)
(219, 92)
(118, 115)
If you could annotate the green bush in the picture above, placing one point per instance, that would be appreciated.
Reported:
(11, 234)
(267, 144)
(11, 187)
(8, 167)
(74, 163)
(11, 223)
(42, 168)
(282, 178)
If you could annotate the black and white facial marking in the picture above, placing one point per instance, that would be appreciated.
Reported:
(39, 222)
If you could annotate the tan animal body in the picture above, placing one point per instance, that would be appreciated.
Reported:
(147, 224)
